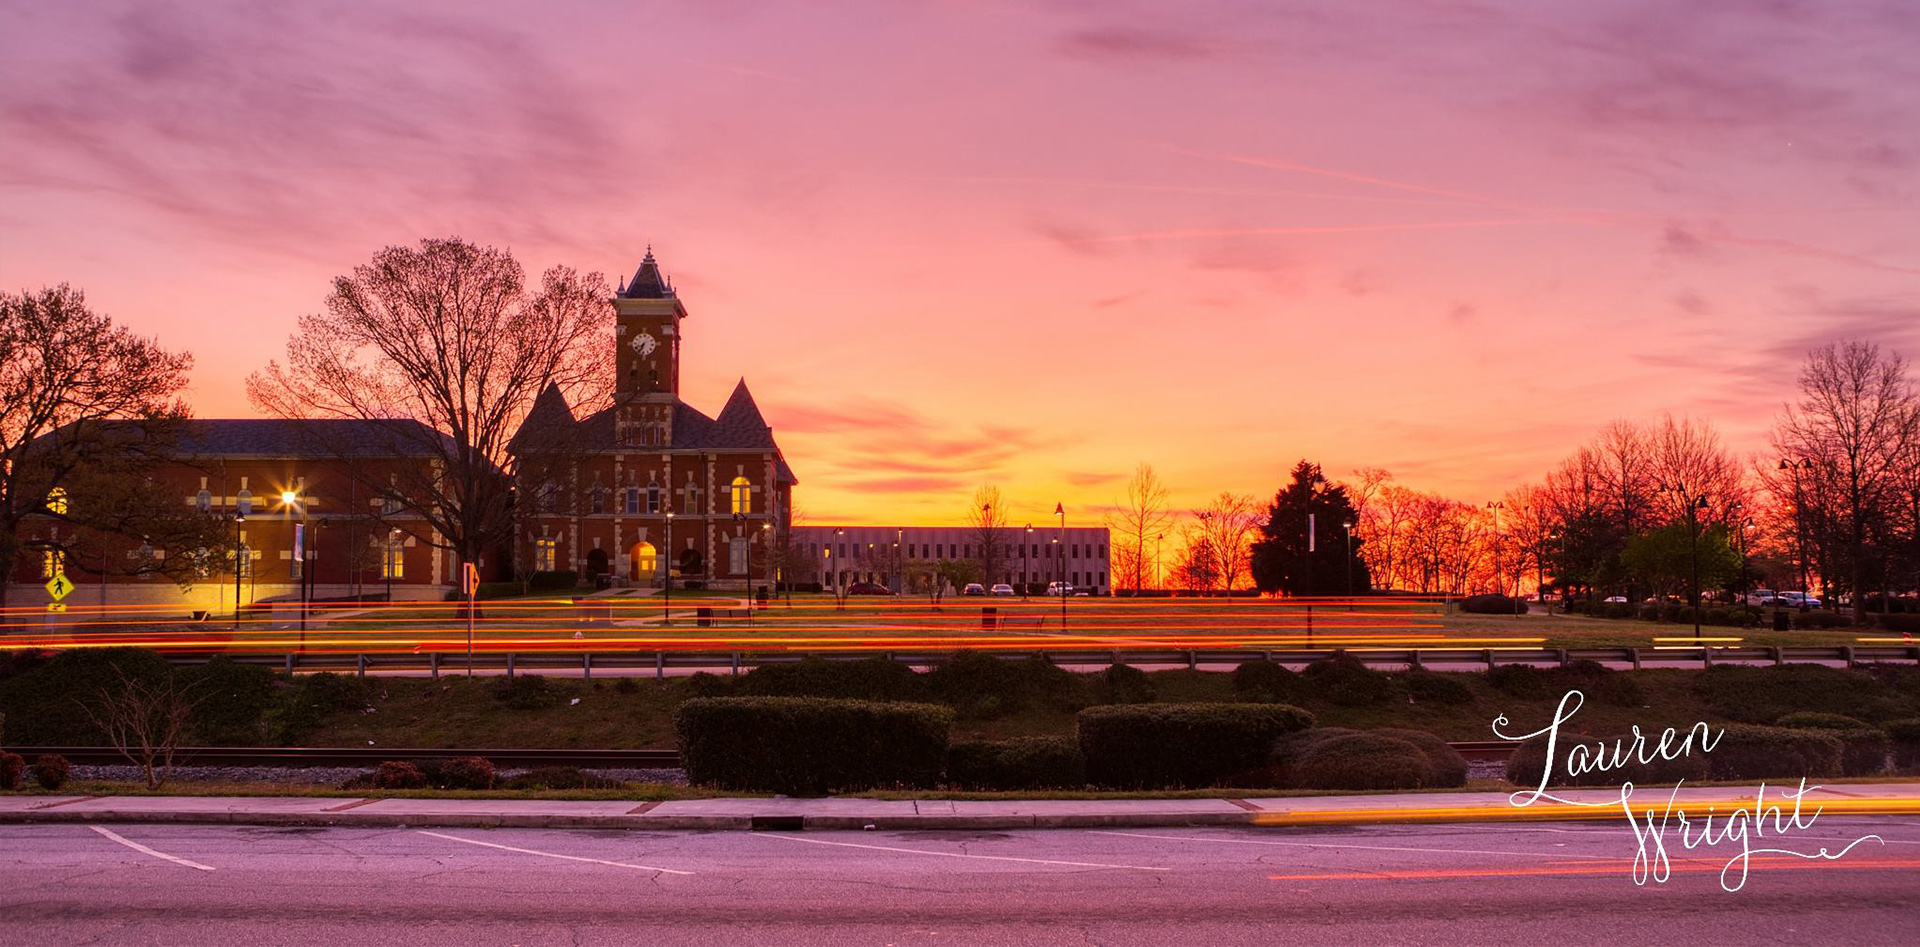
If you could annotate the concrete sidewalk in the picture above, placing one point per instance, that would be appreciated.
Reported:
(858, 813)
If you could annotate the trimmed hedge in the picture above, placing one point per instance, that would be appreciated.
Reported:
(866, 679)
(12, 767)
(552, 581)
(1121, 684)
(1905, 736)
(1493, 605)
(1595, 680)
(1530, 758)
(1750, 752)
(979, 685)
(1820, 619)
(1265, 682)
(398, 774)
(43, 706)
(460, 772)
(1182, 746)
(1304, 761)
(1019, 764)
(811, 746)
(50, 771)
(1343, 679)
(1863, 749)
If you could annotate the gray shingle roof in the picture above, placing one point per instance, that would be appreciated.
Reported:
(310, 437)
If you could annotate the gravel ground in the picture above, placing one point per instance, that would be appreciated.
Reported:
(335, 775)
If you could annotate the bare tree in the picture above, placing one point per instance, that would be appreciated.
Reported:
(144, 720)
(1227, 527)
(70, 383)
(448, 334)
(987, 525)
(1138, 523)
(1857, 421)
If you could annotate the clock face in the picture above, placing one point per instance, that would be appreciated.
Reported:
(645, 343)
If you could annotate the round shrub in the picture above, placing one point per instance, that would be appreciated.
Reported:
(1529, 759)
(1820, 619)
(398, 774)
(465, 772)
(1806, 719)
(1445, 766)
(12, 767)
(233, 702)
(1618, 610)
(1121, 684)
(44, 706)
(1182, 746)
(50, 771)
(1430, 688)
(1521, 681)
(1750, 752)
(1019, 764)
(1442, 765)
(1265, 682)
(705, 684)
(1343, 679)
(1361, 761)
(811, 746)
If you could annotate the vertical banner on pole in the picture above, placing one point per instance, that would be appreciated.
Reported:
(299, 550)
(1310, 533)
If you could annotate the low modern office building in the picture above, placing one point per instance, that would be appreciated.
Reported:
(907, 558)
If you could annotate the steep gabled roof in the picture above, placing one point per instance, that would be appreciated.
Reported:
(647, 283)
(739, 427)
(551, 418)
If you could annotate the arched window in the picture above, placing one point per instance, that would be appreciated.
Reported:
(203, 501)
(57, 501)
(244, 502)
(742, 495)
(642, 562)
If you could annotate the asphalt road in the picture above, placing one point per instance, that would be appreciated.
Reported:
(1482, 884)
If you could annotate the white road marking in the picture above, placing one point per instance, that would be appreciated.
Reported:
(1370, 848)
(136, 846)
(996, 858)
(571, 858)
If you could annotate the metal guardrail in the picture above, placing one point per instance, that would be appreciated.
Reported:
(660, 662)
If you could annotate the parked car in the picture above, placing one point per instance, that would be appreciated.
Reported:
(974, 588)
(1762, 598)
(868, 588)
(1000, 588)
(1059, 588)
(1797, 600)
(1619, 599)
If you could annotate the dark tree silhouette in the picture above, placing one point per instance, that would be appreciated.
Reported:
(1280, 559)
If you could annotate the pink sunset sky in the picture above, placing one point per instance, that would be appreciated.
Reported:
(1029, 244)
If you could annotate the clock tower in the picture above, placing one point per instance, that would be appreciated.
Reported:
(647, 355)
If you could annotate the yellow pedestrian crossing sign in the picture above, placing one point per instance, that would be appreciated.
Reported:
(59, 586)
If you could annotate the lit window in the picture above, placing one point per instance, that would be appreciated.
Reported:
(57, 501)
(653, 498)
(203, 501)
(543, 555)
(49, 563)
(393, 562)
(742, 495)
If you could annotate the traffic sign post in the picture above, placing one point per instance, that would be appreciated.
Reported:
(59, 586)
(470, 584)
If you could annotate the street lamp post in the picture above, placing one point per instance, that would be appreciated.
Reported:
(1799, 523)
(1346, 526)
(391, 565)
(298, 561)
(766, 541)
(1061, 509)
(1159, 575)
(1693, 505)
(239, 557)
(666, 576)
(1026, 575)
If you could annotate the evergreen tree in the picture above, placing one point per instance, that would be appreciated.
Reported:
(1280, 558)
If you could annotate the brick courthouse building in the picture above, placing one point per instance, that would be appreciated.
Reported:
(650, 483)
